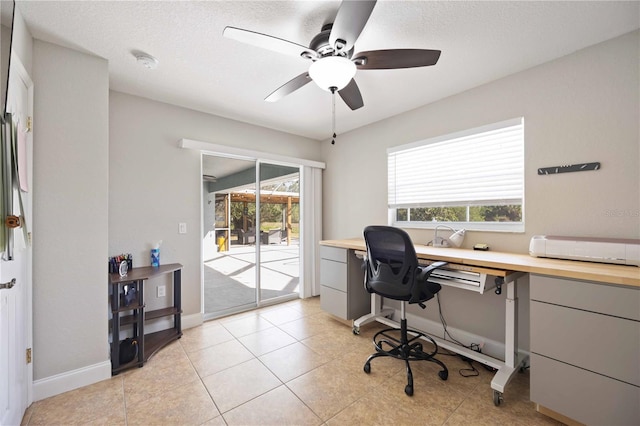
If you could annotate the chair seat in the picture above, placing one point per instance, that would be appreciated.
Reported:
(393, 291)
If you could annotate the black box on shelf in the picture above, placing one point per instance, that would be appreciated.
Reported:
(114, 263)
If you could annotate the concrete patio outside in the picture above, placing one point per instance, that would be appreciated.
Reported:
(230, 276)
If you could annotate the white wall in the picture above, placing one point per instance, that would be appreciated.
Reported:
(154, 185)
(70, 220)
(580, 108)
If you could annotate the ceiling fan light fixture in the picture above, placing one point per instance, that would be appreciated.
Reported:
(332, 71)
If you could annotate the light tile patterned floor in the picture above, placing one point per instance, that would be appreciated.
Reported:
(289, 364)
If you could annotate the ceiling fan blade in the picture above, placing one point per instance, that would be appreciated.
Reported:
(350, 20)
(289, 87)
(269, 42)
(395, 58)
(351, 96)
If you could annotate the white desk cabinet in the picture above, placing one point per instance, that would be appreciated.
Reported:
(342, 290)
(585, 349)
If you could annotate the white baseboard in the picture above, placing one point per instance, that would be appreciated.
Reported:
(70, 380)
(490, 347)
(193, 320)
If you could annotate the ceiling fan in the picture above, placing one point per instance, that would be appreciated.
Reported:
(331, 52)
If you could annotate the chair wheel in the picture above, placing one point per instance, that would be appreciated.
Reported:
(408, 390)
(367, 368)
(444, 374)
(497, 398)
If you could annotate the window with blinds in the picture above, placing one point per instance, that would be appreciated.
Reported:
(474, 178)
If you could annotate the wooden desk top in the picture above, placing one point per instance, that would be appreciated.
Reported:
(590, 271)
(144, 273)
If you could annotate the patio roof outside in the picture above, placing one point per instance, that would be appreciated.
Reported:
(265, 197)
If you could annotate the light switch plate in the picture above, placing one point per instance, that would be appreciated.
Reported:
(182, 228)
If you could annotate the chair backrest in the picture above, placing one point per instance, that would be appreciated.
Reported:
(392, 264)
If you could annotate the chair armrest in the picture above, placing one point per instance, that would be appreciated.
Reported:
(423, 289)
(425, 271)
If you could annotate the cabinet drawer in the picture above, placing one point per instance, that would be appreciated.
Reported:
(582, 395)
(333, 274)
(333, 253)
(596, 297)
(334, 301)
(596, 342)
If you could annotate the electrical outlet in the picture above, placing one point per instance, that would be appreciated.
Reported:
(162, 291)
(182, 228)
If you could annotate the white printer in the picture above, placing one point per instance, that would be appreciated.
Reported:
(604, 250)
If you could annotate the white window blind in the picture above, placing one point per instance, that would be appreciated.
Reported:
(482, 166)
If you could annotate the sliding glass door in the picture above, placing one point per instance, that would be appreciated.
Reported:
(279, 232)
(228, 244)
(243, 228)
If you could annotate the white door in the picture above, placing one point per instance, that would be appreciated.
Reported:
(15, 302)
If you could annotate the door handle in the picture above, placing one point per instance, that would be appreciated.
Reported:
(10, 284)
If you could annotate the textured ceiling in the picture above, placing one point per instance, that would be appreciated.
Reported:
(201, 70)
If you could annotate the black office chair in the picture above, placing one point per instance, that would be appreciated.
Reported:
(392, 271)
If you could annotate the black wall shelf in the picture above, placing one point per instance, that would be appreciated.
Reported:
(148, 343)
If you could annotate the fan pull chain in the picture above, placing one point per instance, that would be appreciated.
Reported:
(333, 114)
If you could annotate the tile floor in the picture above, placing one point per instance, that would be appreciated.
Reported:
(287, 364)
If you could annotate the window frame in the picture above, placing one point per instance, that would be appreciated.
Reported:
(514, 227)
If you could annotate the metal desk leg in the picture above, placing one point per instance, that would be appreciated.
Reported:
(512, 360)
(376, 313)
(511, 331)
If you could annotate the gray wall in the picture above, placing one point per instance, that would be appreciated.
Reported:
(580, 108)
(110, 178)
(155, 185)
(70, 218)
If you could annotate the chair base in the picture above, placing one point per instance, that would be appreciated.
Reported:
(406, 349)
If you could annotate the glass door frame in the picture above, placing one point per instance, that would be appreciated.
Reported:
(310, 206)
(258, 301)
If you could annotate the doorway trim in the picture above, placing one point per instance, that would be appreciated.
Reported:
(245, 154)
